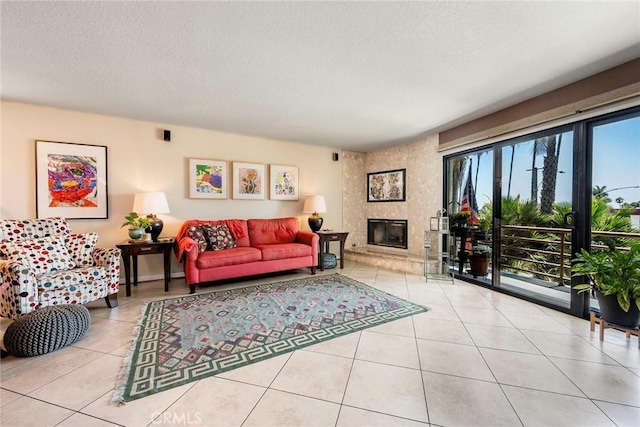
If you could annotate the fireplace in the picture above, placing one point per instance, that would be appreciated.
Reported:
(387, 232)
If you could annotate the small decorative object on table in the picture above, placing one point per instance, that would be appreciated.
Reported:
(137, 225)
(315, 205)
(152, 203)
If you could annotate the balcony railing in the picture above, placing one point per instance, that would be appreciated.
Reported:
(545, 252)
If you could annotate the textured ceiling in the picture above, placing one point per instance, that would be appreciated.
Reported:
(353, 75)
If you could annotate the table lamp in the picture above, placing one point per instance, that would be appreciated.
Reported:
(315, 205)
(152, 203)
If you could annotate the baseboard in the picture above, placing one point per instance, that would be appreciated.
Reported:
(150, 277)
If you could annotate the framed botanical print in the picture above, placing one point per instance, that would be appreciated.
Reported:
(387, 186)
(71, 180)
(208, 179)
(248, 181)
(283, 182)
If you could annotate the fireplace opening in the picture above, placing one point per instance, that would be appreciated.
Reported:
(387, 232)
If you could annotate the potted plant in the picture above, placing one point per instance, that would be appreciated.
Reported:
(459, 219)
(137, 225)
(479, 260)
(614, 277)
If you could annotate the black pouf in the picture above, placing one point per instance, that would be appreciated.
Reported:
(47, 329)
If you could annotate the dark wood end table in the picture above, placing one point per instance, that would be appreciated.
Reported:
(331, 236)
(133, 249)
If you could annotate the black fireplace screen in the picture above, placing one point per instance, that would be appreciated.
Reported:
(387, 232)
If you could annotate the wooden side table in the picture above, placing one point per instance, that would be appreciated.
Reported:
(133, 249)
(331, 236)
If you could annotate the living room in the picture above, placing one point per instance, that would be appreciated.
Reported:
(456, 327)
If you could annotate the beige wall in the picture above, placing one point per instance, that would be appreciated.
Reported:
(139, 160)
(424, 190)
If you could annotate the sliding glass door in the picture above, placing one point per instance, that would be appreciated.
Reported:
(615, 204)
(535, 216)
(539, 199)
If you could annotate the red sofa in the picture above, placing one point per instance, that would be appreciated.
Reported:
(261, 246)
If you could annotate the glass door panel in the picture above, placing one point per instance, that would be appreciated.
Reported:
(615, 203)
(470, 197)
(535, 225)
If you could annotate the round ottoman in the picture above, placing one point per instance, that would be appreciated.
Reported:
(329, 261)
(46, 329)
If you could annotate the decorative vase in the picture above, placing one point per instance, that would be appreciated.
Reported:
(136, 233)
(611, 311)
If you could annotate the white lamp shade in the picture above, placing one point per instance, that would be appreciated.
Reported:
(150, 203)
(314, 204)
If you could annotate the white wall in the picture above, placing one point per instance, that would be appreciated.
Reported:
(139, 160)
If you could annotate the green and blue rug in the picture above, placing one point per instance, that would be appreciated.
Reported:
(184, 339)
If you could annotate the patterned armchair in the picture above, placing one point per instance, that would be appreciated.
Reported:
(42, 263)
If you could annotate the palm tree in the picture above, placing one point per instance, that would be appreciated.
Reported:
(601, 193)
(457, 173)
(620, 201)
(513, 152)
(550, 173)
(539, 147)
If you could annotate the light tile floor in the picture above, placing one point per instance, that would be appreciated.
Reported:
(476, 358)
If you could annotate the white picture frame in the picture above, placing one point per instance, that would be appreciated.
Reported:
(249, 181)
(284, 182)
(71, 180)
(208, 179)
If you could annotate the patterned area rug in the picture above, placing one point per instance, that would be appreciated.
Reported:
(189, 338)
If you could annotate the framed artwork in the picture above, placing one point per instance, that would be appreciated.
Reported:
(283, 182)
(71, 180)
(248, 181)
(387, 186)
(208, 179)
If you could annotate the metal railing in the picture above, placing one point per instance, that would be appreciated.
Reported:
(545, 252)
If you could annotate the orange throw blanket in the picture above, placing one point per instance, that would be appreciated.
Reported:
(182, 246)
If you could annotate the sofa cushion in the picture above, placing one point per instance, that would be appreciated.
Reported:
(81, 248)
(219, 237)
(43, 256)
(272, 231)
(15, 229)
(197, 233)
(284, 251)
(234, 256)
(70, 279)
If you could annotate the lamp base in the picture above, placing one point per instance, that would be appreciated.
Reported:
(156, 227)
(315, 223)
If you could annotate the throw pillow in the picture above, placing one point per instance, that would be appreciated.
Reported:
(219, 237)
(45, 255)
(197, 233)
(81, 248)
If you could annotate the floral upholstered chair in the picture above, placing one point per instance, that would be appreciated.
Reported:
(42, 263)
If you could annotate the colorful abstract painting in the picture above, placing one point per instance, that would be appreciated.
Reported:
(71, 180)
(207, 179)
(248, 181)
(283, 183)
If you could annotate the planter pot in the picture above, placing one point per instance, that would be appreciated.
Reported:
(136, 233)
(479, 265)
(611, 311)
